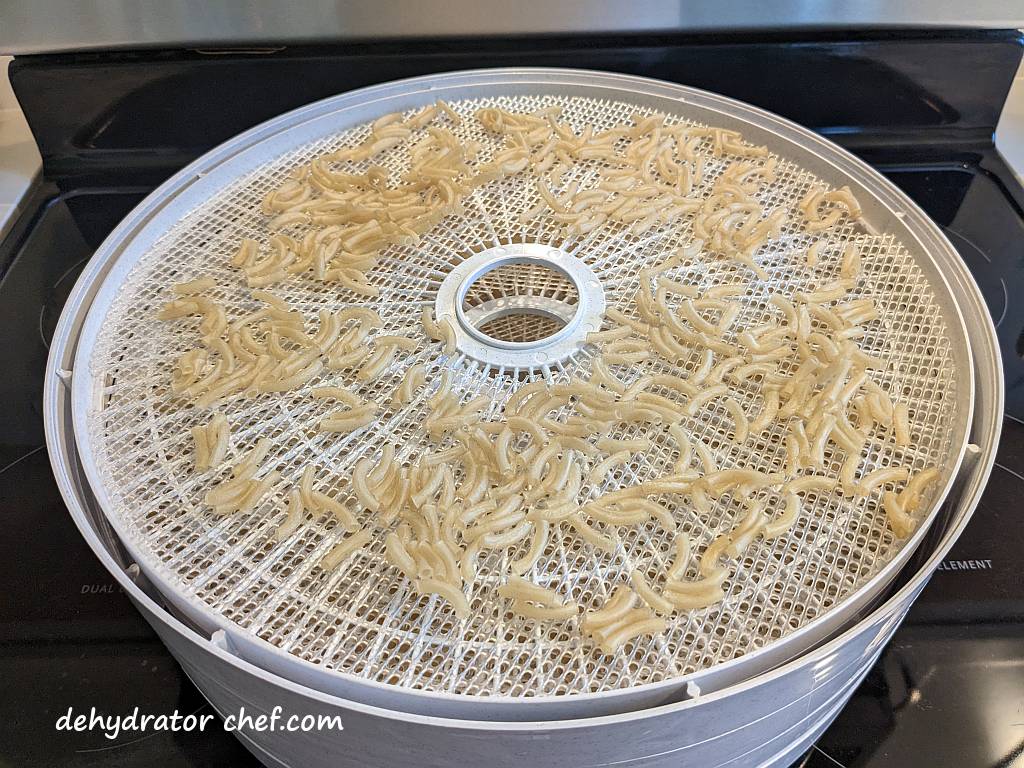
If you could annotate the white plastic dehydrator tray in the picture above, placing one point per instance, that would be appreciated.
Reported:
(358, 629)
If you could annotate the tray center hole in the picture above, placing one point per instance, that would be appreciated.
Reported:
(520, 302)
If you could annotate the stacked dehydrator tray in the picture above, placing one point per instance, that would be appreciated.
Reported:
(751, 682)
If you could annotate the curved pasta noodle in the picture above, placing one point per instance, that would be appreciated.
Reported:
(647, 593)
(455, 596)
(345, 549)
(619, 622)
(741, 424)
(901, 522)
(691, 595)
(911, 496)
(880, 477)
(211, 442)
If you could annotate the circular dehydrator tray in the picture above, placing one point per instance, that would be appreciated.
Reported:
(362, 619)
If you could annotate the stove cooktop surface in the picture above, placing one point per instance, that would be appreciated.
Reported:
(946, 691)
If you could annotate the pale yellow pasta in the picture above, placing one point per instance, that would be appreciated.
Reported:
(349, 420)
(518, 588)
(321, 502)
(705, 397)
(613, 611)
(811, 483)
(901, 424)
(741, 424)
(707, 459)
(723, 368)
(447, 331)
(293, 516)
(709, 560)
(768, 412)
(639, 623)
(455, 596)
(242, 492)
(211, 442)
(496, 523)
(844, 197)
(691, 595)
(397, 555)
(542, 460)
(900, 521)
(413, 378)
(880, 477)
(743, 535)
(695, 319)
(851, 266)
(612, 334)
(726, 291)
(719, 481)
(506, 538)
(538, 543)
(648, 594)
(680, 557)
(361, 485)
(782, 524)
(246, 253)
(521, 424)
(624, 513)
(910, 497)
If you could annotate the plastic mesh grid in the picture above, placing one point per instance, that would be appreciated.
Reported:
(520, 280)
(521, 326)
(363, 619)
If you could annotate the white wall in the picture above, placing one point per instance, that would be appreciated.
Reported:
(19, 159)
(1010, 133)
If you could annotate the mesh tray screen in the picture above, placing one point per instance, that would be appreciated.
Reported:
(363, 619)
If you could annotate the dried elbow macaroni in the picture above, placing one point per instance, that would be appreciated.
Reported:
(524, 475)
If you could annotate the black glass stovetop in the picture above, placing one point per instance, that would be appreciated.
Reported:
(948, 691)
